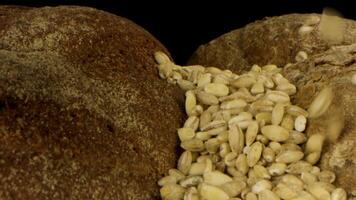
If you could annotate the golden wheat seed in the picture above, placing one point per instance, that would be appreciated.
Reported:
(321, 103)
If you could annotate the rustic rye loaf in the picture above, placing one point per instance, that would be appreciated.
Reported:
(83, 114)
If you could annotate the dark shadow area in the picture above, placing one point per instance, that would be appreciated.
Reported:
(2, 105)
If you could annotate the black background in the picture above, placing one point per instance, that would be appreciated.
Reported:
(184, 25)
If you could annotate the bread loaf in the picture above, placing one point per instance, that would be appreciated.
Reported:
(83, 114)
(273, 40)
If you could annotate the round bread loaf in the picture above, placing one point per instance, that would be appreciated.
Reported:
(83, 113)
(278, 40)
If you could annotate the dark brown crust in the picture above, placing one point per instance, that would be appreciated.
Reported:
(83, 113)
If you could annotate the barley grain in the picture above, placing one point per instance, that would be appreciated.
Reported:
(243, 82)
(193, 145)
(261, 185)
(236, 138)
(304, 30)
(321, 103)
(172, 192)
(300, 123)
(301, 56)
(254, 154)
(185, 134)
(184, 162)
(216, 89)
(326, 176)
(283, 191)
(338, 194)
(289, 156)
(191, 181)
(210, 192)
(233, 188)
(241, 163)
(251, 133)
(206, 98)
(277, 169)
(275, 133)
(277, 114)
(267, 195)
(216, 178)
(319, 192)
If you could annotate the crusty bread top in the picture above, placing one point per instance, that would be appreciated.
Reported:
(273, 40)
(84, 114)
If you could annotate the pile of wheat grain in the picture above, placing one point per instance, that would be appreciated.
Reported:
(244, 139)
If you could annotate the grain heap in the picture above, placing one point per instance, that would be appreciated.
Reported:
(243, 138)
